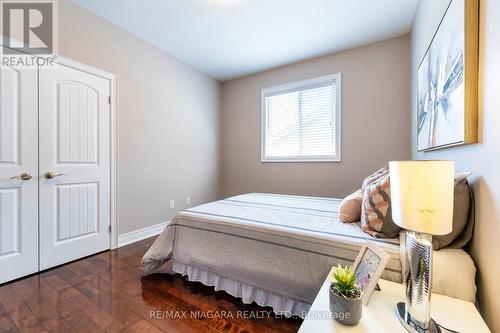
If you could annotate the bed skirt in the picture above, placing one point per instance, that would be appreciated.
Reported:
(283, 306)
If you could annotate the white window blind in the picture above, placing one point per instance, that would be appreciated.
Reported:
(301, 121)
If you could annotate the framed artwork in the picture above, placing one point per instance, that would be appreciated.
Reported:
(447, 80)
(368, 267)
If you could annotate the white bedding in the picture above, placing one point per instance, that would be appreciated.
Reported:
(277, 249)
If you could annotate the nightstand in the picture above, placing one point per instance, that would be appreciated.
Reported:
(380, 316)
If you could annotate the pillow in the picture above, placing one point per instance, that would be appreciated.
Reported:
(350, 207)
(373, 177)
(463, 217)
(376, 217)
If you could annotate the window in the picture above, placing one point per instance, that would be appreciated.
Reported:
(301, 121)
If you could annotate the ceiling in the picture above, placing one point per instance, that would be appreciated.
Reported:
(232, 38)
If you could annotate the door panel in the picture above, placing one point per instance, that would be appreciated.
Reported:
(18, 155)
(77, 141)
(77, 210)
(9, 205)
(9, 125)
(75, 147)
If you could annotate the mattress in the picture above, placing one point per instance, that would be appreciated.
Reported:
(273, 249)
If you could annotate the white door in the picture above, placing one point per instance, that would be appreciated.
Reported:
(19, 159)
(74, 125)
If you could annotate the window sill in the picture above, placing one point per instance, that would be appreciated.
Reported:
(294, 160)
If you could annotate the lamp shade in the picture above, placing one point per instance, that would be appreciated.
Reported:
(422, 195)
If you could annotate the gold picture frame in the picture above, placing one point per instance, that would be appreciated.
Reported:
(441, 113)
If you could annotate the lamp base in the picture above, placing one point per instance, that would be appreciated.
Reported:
(405, 320)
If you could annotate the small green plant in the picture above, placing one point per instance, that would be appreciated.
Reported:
(344, 282)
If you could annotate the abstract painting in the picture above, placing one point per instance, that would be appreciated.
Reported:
(447, 81)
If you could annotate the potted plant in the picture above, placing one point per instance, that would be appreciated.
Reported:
(345, 296)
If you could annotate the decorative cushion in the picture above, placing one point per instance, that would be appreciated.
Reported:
(382, 171)
(350, 207)
(463, 217)
(376, 217)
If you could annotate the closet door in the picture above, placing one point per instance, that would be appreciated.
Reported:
(74, 165)
(18, 172)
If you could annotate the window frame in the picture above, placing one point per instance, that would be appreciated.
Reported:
(294, 86)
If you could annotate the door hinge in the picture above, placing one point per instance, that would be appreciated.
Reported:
(109, 229)
(109, 99)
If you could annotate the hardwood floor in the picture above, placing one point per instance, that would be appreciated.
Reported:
(106, 293)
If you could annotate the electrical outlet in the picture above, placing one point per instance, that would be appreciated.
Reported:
(188, 200)
(172, 203)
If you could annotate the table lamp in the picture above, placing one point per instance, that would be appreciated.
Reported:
(422, 203)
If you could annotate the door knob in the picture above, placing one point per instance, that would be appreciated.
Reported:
(23, 176)
(51, 175)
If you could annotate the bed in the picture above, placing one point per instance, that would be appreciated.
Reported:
(276, 250)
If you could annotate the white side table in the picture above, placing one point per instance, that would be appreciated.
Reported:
(380, 314)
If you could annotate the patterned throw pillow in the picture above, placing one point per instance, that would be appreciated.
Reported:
(374, 176)
(376, 216)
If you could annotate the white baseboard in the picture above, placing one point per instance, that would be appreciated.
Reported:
(141, 234)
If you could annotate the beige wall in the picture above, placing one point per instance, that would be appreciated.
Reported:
(375, 122)
(482, 159)
(168, 119)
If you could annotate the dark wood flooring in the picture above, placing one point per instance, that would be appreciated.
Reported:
(106, 293)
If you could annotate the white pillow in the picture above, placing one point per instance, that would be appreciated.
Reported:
(448, 280)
